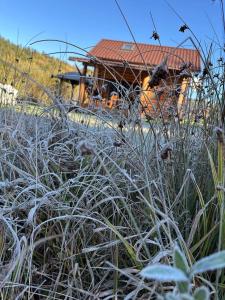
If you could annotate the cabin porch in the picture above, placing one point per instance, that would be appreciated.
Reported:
(116, 86)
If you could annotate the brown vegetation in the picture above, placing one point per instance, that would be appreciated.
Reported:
(32, 63)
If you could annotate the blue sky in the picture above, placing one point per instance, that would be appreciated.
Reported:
(85, 22)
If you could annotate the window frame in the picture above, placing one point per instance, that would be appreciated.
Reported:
(128, 47)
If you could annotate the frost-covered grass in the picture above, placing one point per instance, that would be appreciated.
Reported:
(91, 201)
(85, 208)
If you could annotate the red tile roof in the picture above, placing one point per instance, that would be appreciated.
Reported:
(151, 54)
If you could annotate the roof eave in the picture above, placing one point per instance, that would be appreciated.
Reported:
(117, 63)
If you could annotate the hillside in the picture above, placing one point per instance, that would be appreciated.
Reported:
(37, 65)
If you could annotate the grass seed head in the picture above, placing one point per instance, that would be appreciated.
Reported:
(85, 148)
(183, 28)
(219, 134)
(160, 72)
(155, 35)
(166, 151)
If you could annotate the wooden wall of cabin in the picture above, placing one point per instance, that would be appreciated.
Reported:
(167, 98)
(115, 79)
(119, 74)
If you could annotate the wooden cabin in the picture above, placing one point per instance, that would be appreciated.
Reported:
(123, 70)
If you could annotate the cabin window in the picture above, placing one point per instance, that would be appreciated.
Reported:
(128, 47)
